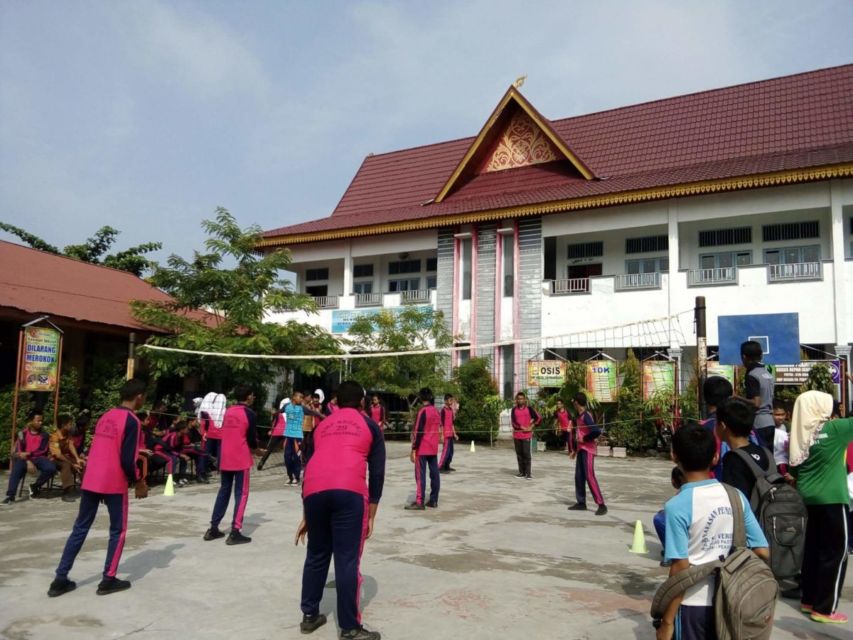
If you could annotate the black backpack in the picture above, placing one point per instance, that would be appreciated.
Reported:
(782, 515)
(745, 590)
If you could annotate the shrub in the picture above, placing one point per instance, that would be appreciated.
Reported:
(480, 404)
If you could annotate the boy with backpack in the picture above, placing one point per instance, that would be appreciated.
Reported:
(702, 521)
(777, 506)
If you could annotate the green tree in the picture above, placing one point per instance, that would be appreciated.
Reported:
(820, 379)
(480, 404)
(412, 329)
(220, 303)
(631, 430)
(95, 249)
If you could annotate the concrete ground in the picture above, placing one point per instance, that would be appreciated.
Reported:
(500, 558)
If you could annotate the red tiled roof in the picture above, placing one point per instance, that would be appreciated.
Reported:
(794, 122)
(38, 282)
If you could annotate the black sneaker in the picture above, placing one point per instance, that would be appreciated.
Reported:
(415, 506)
(112, 585)
(260, 466)
(235, 537)
(60, 586)
(9, 500)
(310, 624)
(528, 477)
(432, 505)
(360, 633)
(35, 490)
(213, 533)
(202, 480)
(666, 563)
(578, 506)
(602, 510)
(519, 475)
(444, 470)
(290, 481)
(451, 469)
(67, 496)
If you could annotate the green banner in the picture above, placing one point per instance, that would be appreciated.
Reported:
(40, 359)
(601, 380)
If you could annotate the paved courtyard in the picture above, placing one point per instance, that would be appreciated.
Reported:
(500, 558)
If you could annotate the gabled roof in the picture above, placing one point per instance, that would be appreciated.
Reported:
(790, 129)
(494, 125)
(37, 282)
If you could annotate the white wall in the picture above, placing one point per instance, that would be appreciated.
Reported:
(613, 261)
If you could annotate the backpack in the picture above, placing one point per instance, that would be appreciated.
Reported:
(745, 593)
(782, 515)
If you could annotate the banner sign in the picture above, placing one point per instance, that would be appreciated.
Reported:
(658, 375)
(601, 380)
(40, 359)
(343, 319)
(798, 374)
(546, 373)
(726, 371)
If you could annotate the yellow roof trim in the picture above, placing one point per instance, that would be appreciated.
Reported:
(512, 95)
(588, 202)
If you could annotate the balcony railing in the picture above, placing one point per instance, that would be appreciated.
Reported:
(416, 296)
(570, 286)
(634, 281)
(326, 302)
(368, 300)
(791, 272)
(705, 277)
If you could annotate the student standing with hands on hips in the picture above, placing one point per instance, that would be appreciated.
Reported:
(524, 418)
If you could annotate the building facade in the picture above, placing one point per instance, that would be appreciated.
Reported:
(544, 239)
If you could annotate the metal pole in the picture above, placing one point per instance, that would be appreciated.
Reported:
(58, 378)
(701, 349)
(131, 355)
(15, 397)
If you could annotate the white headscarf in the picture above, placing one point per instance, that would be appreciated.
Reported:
(811, 411)
(283, 404)
(322, 395)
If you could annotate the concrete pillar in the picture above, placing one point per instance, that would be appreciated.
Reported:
(348, 269)
(843, 353)
(674, 260)
(839, 275)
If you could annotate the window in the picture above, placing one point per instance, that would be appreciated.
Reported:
(508, 360)
(465, 252)
(792, 255)
(432, 264)
(586, 250)
(649, 244)
(790, 231)
(317, 291)
(723, 237)
(362, 271)
(508, 260)
(317, 274)
(432, 282)
(647, 265)
(725, 260)
(362, 287)
(404, 284)
(404, 266)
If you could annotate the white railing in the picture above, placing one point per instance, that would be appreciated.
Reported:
(797, 271)
(368, 299)
(702, 277)
(416, 296)
(632, 281)
(570, 286)
(326, 302)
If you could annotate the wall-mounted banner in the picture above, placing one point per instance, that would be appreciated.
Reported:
(797, 374)
(726, 371)
(40, 359)
(658, 375)
(343, 319)
(546, 373)
(601, 380)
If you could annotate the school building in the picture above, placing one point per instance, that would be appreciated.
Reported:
(598, 231)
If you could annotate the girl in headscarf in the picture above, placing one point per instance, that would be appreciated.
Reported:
(817, 457)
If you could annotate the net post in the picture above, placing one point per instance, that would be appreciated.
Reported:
(701, 350)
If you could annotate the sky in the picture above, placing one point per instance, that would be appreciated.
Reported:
(147, 115)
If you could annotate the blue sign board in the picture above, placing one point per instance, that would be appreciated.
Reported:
(343, 319)
(777, 333)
